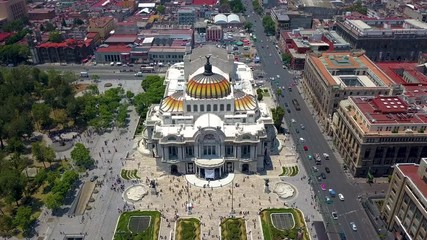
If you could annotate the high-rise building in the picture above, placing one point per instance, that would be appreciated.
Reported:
(11, 10)
(374, 133)
(405, 206)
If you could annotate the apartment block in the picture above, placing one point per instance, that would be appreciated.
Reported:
(102, 25)
(405, 206)
(374, 133)
(330, 77)
(401, 40)
(11, 10)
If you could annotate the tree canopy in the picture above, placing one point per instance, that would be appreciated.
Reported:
(81, 156)
(269, 25)
(278, 114)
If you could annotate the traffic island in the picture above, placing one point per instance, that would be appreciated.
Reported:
(283, 223)
(138, 225)
(188, 229)
(233, 229)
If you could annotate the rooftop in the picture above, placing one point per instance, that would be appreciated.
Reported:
(101, 21)
(68, 43)
(121, 38)
(392, 110)
(115, 49)
(385, 27)
(205, 2)
(404, 73)
(411, 172)
(349, 64)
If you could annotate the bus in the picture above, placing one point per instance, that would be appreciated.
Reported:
(147, 69)
(296, 104)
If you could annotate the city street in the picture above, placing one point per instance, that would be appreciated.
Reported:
(349, 210)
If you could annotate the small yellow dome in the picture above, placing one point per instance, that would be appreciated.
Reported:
(173, 103)
(243, 101)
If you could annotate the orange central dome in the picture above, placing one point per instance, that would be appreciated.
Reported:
(208, 84)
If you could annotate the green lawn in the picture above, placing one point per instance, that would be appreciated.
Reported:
(289, 171)
(152, 233)
(129, 174)
(188, 229)
(272, 233)
(233, 229)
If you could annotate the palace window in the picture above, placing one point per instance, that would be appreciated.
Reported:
(246, 151)
(173, 152)
(189, 151)
(209, 150)
(195, 108)
(229, 150)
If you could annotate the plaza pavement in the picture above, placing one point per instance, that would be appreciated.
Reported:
(210, 205)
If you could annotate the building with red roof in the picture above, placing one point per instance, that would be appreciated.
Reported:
(374, 133)
(4, 36)
(68, 51)
(113, 53)
(405, 207)
(205, 2)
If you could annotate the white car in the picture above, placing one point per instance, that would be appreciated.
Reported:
(335, 215)
(353, 226)
(278, 76)
(340, 196)
(293, 120)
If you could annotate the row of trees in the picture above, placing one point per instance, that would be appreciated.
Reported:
(153, 93)
(269, 25)
(235, 6)
(257, 7)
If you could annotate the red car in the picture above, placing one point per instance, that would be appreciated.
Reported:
(305, 148)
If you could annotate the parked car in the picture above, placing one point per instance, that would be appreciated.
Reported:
(296, 130)
(288, 110)
(328, 200)
(342, 236)
(293, 120)
(305, 148)
(310, 158)
(92, 179)
(286, 105)
(302, 126)
(315, 169)
(327, 170)
(335, 215)
(323, 175)
(340, 196)
(353, 226)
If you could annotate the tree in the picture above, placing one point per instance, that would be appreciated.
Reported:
(286, 58)
(42, 29)
(59, 116)
(237, 6)
(278, 113)
(161, 9)
(78, 21)
(6, 224)
(269, 25)
(248, 26)
(43, 153)
(41, 112)
(55, 36)
(23, 218)
(12, 185)
(81, 156)
(357, 7)
(54, 200)
(14, 53)
(49, 27)
(63, 23)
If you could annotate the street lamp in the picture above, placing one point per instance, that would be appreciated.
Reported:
(232, 197)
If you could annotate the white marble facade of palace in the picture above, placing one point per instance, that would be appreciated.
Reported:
(209, 122)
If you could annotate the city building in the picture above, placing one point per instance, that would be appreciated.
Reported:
(405, 207)
(214, 33)
(186, 16)
(68, 51)
(230, 20)
(41, 14)
(11, 10)
(416, 11)
(209, 122)
(126, 27)
(374, 133)
(330, 77)
(288, 20)
(114, 53)
(102, 25)
(298, 41)
(402, 40)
